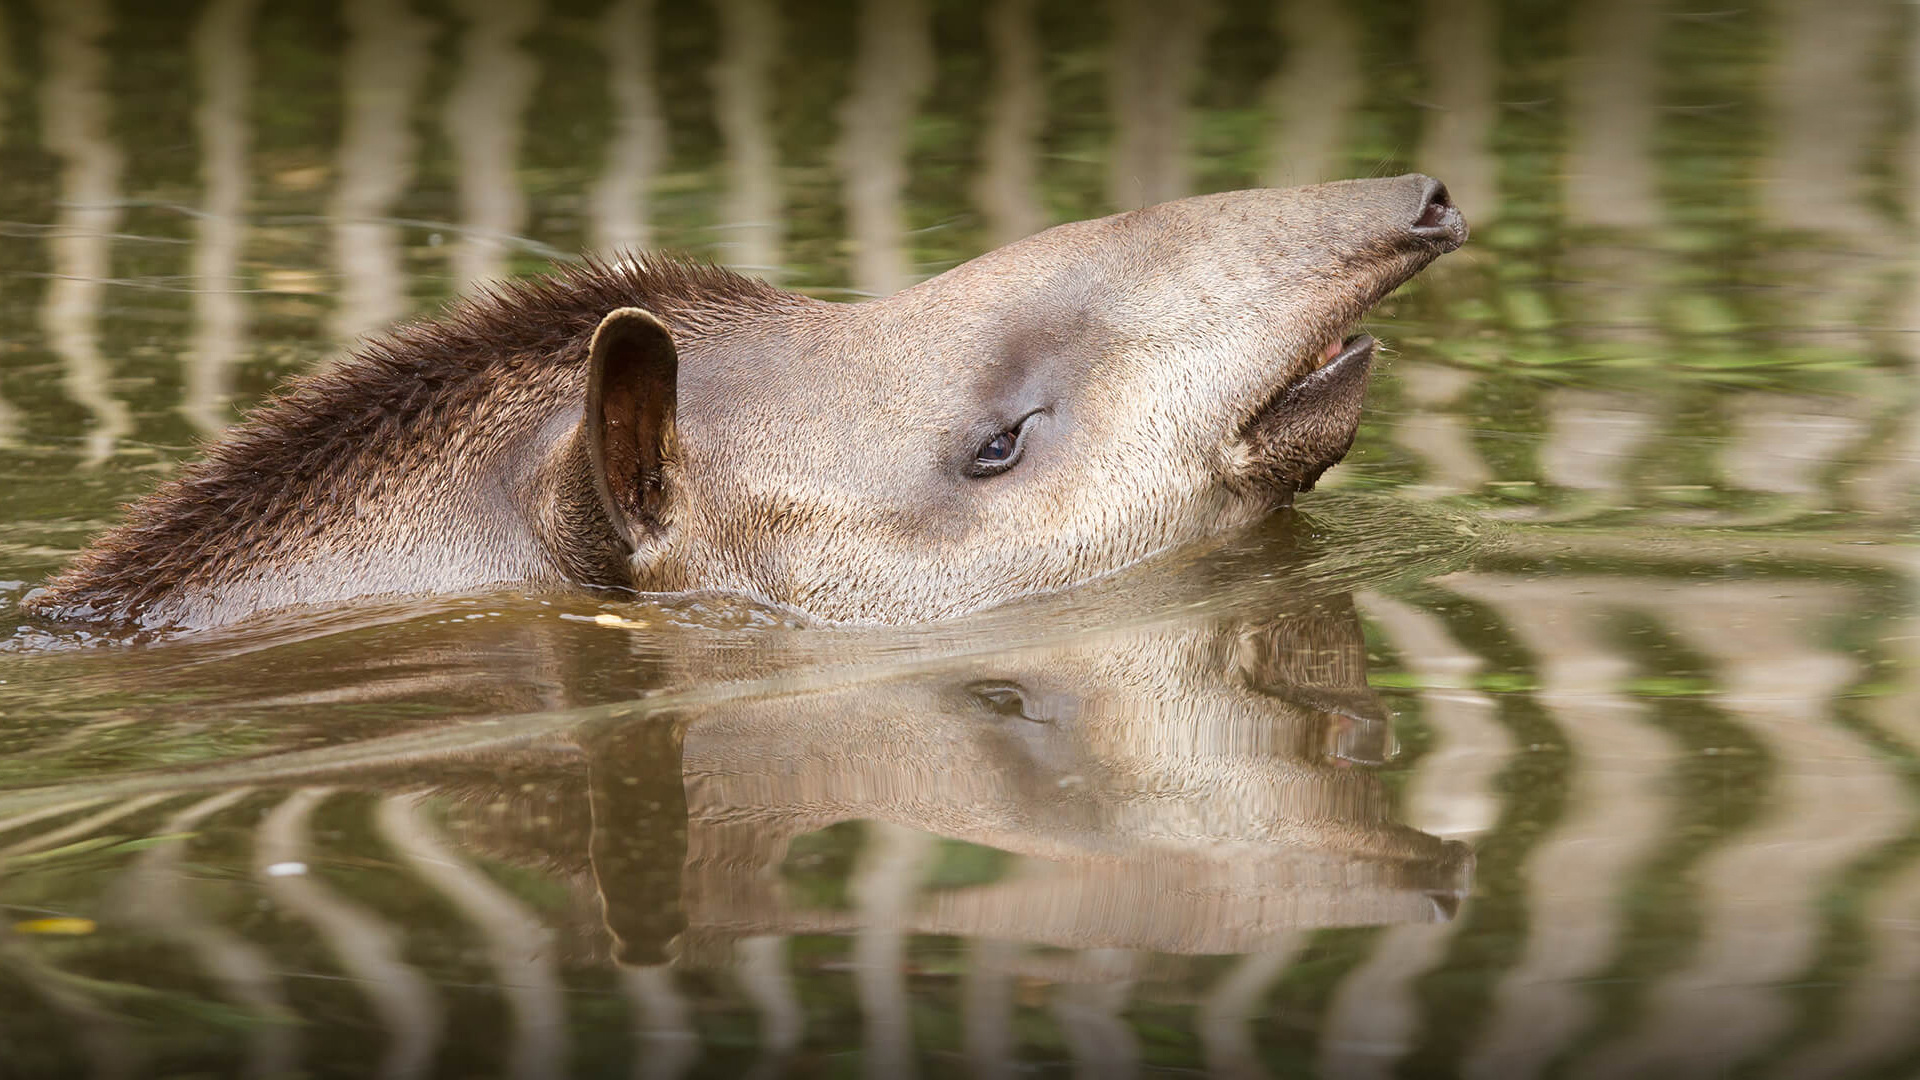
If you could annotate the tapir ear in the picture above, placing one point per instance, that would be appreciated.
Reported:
(631, 373)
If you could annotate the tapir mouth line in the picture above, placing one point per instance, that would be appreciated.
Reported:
(1307, 421)
(1338, 356)
(1346, 355)
(1338, 347)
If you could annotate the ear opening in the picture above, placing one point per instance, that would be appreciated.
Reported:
(632, 372)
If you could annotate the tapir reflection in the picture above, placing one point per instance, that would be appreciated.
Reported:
(1202, 788)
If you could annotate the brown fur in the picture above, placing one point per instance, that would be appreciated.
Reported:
(365, 421)
(664, 427)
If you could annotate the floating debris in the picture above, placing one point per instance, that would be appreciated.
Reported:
(69, 926)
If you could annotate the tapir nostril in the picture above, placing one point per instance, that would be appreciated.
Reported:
(1434, 211)
(1438, 219)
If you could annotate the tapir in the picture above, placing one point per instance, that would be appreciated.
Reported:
(1040, 416)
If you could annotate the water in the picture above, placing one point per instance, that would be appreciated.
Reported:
(1571, 729)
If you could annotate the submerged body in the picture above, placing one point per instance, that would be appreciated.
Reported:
(1044, 414)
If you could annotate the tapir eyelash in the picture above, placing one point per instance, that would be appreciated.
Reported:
(989, 460)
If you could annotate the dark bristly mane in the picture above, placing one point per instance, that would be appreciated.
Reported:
(368, 408)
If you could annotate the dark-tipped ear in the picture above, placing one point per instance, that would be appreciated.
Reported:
(632, 370)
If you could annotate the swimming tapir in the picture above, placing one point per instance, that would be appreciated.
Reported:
(1042, 415)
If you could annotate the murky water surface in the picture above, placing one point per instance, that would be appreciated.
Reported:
(1571, 729)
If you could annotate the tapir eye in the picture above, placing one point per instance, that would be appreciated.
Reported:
(1001, 452)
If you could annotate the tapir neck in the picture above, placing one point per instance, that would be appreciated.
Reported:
(441, 458)
(563, 508)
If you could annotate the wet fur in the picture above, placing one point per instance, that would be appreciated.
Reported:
(816, 456)
(340, 437)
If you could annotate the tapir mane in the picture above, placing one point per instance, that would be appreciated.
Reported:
(331, 439)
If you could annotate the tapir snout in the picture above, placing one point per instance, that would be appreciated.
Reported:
(1437, 221)
(1042, 415)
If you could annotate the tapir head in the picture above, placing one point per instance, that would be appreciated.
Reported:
(1042, 415)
